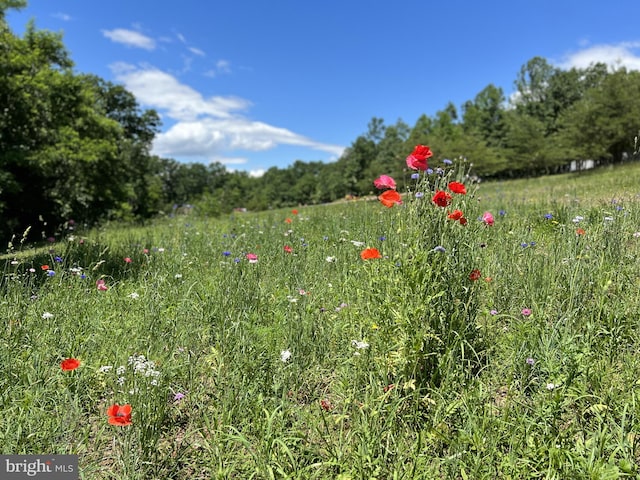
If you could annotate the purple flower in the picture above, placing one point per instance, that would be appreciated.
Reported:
(548, 216)
(446, 161)
(178, 396)
(530, 361)
(226, 253)
(526, 312)
(493, 312)
(415, 176)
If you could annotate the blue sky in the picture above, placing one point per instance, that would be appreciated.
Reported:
(257, 84)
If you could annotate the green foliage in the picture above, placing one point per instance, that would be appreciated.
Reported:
(400, 366)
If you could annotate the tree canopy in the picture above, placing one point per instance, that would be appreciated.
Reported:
(74, 146)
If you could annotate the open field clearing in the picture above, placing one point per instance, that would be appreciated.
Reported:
(487, 333)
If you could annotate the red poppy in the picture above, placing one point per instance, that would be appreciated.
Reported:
(463, 221)
(457, 187)
(69, 364)
(45, 267)
(287, 220)
(456, 215)
(580, 231)
(422, 152)
(288, 249)
(294, 211)
(326, 405)
(441, 198)
(119, 415)
(369, 253)
(390, 198)
(475, 275)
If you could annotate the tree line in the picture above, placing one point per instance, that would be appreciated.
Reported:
(77, 148)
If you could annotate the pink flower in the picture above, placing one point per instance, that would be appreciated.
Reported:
(487, 218)
(252, 257)
(526, 312)
(101, 285)
(288, 249)
(127, 260)
(384, 181)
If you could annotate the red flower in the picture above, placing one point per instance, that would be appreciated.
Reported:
(69, 364)
(456, 215)
(326, 405)
(45, 267)
(369, 253)
(441, 198)
(580, 231)
(422, 152)
(288, 249)
(294, 211)
(475, 275)
(119, 415)
(457, 187)
(127, 260)
(287, 220)
(390, 198)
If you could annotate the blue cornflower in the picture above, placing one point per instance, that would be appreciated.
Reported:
(58, 259)
(502, 213)
(548, 216)
(446, 161)
(415, 176)
(429, 171)
(382, 238)
(419, 194)
(524, 244)
(51, 273)
(226, 253)
(439, 248)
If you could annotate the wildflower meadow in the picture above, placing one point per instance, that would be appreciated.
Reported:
(453, 330)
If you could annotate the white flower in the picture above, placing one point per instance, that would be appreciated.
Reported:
(608, 219)
(359, 345)
(134, 295)
(120, 370)
(285, 355)
(551, 386)
(47, 315)
(330, 259)
(178, 276)
(358, 244)
(105, 368)
(577, 219)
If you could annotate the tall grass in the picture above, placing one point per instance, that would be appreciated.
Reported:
(315, 363)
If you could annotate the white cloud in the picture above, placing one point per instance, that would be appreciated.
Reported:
(197, 51)
(62, 16)
(623, 54)
(257, 173)
(223, 66)
(130, 38)
(206, 128)
(160, 90)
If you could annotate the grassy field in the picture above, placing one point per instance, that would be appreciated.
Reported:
(269, 345)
